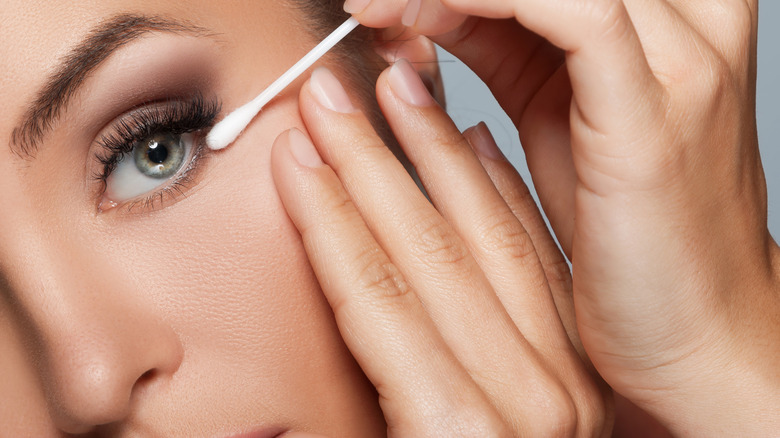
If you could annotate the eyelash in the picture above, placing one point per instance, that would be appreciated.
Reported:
(177, 117)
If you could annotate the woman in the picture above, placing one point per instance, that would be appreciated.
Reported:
(163, 294)
(151, 288)
(159, 295)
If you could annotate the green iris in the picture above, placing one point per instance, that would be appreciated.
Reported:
(159, 156)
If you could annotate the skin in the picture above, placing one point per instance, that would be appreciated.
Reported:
(638, 121)
(213, 323)
(461, 313)
(201, 318)
(454, 287)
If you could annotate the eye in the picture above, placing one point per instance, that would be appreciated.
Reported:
(152, 154)
(151, 164)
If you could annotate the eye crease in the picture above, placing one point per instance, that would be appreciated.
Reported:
(150, 154)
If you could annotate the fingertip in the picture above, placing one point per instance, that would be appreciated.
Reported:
(298, 147)
(376, 13)
(303, 150)
(482, 142)
(354, 7)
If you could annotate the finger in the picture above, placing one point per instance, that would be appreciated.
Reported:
(423, 390)
(710, 19)
(377, 13)
(514, 191)
(424, 16)
(604, 54)
(548, 154)
(513, 61)
(430, 17)
(464, 195)
(517, 196)
(433, 258)
(528, 77)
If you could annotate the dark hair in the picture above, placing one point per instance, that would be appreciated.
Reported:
(360, 65)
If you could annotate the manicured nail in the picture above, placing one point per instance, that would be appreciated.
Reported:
(303, 149)
(411, 12)
(483, 142)
(355, 6)
(329, 92)
(406, 83)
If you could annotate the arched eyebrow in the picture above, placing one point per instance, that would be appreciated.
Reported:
(76, 67)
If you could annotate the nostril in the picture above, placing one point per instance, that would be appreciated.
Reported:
(149, 375)
(144, 382)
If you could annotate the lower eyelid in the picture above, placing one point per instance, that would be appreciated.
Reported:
(178, 186)
(188, 113)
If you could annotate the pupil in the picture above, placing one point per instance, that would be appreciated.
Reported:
(157, 153)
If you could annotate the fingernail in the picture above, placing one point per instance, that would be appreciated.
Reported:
(406, 83)
(411, 12)
(483, 142)
(355, 6)
(303, 149)
(329, 92)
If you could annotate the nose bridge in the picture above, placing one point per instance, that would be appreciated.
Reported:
(100, 344)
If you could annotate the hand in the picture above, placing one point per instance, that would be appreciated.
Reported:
(637, 118)
(446, 307)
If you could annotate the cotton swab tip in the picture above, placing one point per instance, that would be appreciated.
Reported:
(227, 131)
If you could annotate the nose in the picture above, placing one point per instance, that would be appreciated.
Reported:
(101, 346)
(97, 364)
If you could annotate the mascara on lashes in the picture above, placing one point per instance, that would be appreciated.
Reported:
(177, 117)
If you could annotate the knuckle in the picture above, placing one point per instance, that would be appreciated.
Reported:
(591, 404)
(450, 140)
(334, 209)
(439, 244)
(562, 417)
(461, 416)
(703, 77)
(551, 411)
(379, 277)
(338, 203)
(506, 234)
(735, 15)
(716, 79)
(558, 272)
(473, 421)
(519, 198)
(593, 416)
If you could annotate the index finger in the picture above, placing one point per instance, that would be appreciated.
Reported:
(423, 389)
(609, 71)
(426, 17)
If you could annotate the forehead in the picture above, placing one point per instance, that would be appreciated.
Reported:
(38, 34)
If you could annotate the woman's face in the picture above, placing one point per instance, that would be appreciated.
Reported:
(148, 287)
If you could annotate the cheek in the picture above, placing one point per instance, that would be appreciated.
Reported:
(226, 267)
(26, 415)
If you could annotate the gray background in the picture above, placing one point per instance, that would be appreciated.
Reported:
(469, 102)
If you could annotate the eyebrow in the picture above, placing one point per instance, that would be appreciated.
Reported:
(77, 65)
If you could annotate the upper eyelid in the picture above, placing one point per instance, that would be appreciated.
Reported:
(188, 114)
(99, 44)
(125, 127)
